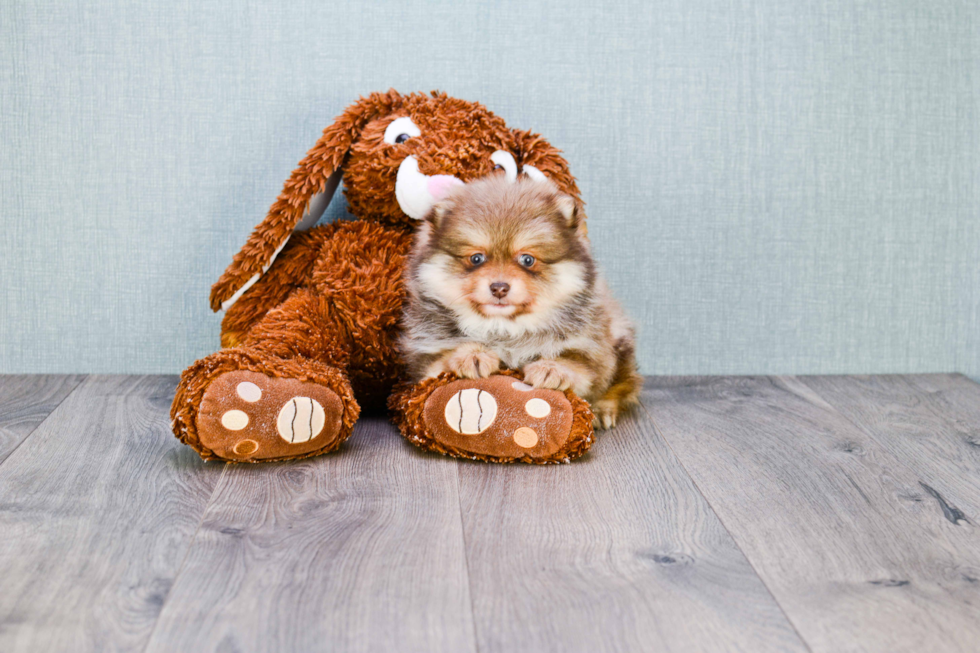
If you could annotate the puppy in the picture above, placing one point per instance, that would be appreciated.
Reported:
(500, 275)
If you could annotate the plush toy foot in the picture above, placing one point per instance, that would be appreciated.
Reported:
(248, 416)
(236, 406)
(496, 419)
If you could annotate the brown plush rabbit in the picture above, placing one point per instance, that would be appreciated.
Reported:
(312, 313)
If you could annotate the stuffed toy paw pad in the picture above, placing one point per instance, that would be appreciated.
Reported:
(248, 417)
(497, 419)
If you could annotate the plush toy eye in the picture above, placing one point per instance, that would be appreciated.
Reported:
(526, 260)
(478, 259)
(400, 130)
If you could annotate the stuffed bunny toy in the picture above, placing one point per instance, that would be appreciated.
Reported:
(312, 312)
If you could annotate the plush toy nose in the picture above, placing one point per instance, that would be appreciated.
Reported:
(439, 185)
(499, 289)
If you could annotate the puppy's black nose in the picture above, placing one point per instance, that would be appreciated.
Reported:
(499, 289)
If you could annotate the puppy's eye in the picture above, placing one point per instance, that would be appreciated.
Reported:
(526, 260)
(400, 130)
(498, 168)
(478, 259)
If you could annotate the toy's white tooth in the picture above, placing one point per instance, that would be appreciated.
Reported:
(505, 160)
(533, 173)
(411, 189)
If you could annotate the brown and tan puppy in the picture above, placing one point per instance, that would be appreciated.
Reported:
(501, 276)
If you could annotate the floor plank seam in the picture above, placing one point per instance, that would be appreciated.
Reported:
(466, 560)
(46, 418)
(187, 555)
(721, 521)
(942, 502)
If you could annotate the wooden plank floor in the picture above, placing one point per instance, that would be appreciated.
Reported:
(727, 514)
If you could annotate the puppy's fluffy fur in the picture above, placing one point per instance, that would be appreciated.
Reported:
(501, 275)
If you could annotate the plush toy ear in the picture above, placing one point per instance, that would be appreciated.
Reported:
(304, 197)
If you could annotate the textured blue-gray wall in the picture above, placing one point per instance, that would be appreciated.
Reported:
(772, 186)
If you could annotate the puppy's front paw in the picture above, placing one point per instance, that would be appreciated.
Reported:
(606, 412)
(472, 362)
(553, 374)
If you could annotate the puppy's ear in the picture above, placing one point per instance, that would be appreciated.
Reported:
(566, 206)
(438, 213)
(571, 210)
(536, 157)
(304, 197)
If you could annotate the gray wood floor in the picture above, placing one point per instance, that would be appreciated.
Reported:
(727, 514)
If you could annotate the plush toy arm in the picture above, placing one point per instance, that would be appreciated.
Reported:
(291, 269)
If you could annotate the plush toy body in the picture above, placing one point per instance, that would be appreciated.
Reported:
(312, 314)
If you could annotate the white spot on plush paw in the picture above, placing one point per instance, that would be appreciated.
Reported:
(537, 408)
(301, 419)
(471, 411)
(249, 391)
(525, 437)
(234, 420)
